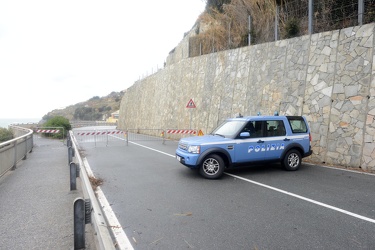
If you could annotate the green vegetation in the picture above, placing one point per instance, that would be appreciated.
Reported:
(58, 122)
(291, 28)
(96, 108)
(5, 134)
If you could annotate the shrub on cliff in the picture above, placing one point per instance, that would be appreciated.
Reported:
(58, 122)
(5, 134)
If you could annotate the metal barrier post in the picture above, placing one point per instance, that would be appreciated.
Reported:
(360, 12)
(127, 137)
(70, 154)
(249, 35)
(95, 137)
(311, 11)
(164, 136)
(68, 141)
(73, 176)
(277, 22)
(79, 223)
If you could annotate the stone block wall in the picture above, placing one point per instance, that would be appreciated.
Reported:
(327, 77)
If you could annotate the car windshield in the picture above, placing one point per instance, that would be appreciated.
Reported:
(229, 128)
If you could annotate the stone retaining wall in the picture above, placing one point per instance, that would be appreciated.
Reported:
(327, 77)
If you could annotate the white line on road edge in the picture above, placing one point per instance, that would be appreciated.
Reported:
(122, 240)
(341, 169)
(305, 199)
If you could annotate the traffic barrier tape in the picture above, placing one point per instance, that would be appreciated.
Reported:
(47, 131)
(101, 133)
(181, 131)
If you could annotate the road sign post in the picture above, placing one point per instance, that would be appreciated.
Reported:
(190, 105)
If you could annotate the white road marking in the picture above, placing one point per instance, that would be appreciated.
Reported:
(153, 149)
(304, 198)
(282, 191)
(118, 232)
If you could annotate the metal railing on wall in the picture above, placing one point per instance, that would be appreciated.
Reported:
(248, 23)
(15, 150)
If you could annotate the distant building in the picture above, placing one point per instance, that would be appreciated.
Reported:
(114, 117)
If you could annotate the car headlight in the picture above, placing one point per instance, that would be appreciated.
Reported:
(194, 149)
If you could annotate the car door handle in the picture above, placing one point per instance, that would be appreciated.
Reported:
(260, 141)
(286, 139)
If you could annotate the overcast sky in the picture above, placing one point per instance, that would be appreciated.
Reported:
(56, 53)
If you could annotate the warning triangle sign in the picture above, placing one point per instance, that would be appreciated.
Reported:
(191, 104)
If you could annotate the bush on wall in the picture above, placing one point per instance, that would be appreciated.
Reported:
(5, 134)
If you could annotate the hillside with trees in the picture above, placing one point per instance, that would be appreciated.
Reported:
(94, 109)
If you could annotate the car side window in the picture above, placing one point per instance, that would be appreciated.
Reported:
(275, 128)
(255, 129)
(297, 125)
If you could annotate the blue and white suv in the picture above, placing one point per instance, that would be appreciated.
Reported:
(247, 140)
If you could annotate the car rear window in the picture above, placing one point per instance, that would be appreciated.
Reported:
(297, 124)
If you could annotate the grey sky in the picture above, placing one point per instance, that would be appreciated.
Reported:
(58, 53)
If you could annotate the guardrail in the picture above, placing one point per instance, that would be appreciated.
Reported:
(87, 209)
(15, 150)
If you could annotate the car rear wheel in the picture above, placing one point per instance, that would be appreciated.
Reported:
(212, 167)
(292, 160)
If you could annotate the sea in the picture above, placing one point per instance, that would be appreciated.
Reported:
(5, 122)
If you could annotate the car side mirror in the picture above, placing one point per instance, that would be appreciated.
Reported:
(244, 134)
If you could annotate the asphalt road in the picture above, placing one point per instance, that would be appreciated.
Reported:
(161, 204)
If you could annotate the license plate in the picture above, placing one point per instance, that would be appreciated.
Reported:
(178, 158)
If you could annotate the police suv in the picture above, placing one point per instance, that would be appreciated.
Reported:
(247, 140)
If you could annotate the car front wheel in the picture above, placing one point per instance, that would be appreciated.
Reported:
(212, 167)
(292, 160)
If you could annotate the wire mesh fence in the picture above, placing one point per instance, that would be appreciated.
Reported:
(102, 136)
(245, 22)
(145, 134)
(158, 134)
(110, 136)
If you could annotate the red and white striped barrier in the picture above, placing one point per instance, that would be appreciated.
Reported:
(48, 131)
(100, 133)
(181, 131)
